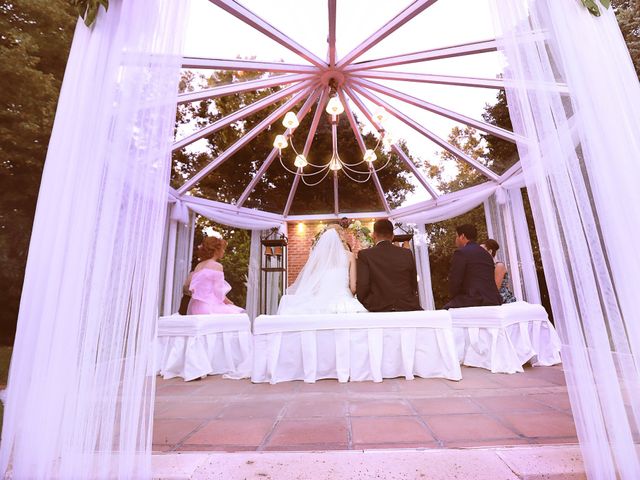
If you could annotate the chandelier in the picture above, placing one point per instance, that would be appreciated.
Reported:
(310, 172)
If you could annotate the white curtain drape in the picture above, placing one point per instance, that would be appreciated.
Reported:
(81, 383)
(178, 255)
(454, 204)
(253, 276)
(579, 153)
(507, 224)
(423, 268)
(230, 215)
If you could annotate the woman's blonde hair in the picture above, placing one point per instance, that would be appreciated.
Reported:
(211, 247)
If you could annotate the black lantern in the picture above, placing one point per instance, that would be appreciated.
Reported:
(273, 266)
(404, 238)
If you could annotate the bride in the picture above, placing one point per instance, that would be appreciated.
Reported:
(327, 282)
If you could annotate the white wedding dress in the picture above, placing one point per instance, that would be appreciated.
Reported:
(323, 284)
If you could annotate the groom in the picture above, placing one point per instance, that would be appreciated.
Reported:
(386, 278)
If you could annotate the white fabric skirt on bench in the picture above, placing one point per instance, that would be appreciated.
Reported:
(354, 347)
(503, 338)
(193, 346)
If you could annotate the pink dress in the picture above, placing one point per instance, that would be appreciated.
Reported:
(208, 291)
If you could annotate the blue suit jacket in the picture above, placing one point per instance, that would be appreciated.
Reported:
(472, 278)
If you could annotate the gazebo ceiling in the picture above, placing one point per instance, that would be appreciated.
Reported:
(356, 82)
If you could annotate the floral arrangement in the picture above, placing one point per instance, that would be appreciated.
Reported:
(359, 232)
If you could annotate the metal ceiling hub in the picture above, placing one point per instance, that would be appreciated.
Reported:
(337, 76)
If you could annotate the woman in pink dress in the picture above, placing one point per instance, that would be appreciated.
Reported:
(206, 283)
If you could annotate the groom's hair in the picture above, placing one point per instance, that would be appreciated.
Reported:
(383, 228)
(469, 231)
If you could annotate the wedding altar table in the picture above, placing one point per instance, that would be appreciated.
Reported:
(354, 347)
(503, 338)
(193, 346)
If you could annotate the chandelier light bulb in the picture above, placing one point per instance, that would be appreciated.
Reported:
(334, 107)
(334, 164)
(290, 120)
(380, 115)
(280, 142)
(388, 140)
(370, 156)
(300, 161)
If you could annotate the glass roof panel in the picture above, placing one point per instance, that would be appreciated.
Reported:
(214, 33)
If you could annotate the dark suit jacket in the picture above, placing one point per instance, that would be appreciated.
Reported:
(387, 280)
(472, 278)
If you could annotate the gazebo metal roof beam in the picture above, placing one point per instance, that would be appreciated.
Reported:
(267, 162)
(250, 18)
(224, 156)
(331, 40)
(245, 65)
(324, 97)
(473, 48)
(405, 158)
(495, 83)
(443, 112)
(239, 115)
(396, 22)
(428, 134)
(241, 87)
(363, 148)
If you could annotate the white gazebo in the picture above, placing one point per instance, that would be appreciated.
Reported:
(111, 237)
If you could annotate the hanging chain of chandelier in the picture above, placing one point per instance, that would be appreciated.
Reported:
(310, 172)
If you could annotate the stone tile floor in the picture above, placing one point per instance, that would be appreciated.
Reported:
(482, 410)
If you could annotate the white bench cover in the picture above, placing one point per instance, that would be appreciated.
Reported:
(193, 346)
(503, 338)
(354, 346)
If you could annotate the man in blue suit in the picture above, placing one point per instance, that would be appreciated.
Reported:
(472, 274)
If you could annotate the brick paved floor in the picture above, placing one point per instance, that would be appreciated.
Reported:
(482, 410)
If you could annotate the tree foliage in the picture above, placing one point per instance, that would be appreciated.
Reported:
(628, 15)
(34, 45)
(227, 182)
(35, 36)
(442, 234)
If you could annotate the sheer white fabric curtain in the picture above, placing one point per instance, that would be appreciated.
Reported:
(185, 231)
(423, 268)
(81, 384)
(579, 154)
(253, 276)
(507, 224)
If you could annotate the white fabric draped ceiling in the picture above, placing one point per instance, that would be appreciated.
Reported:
(580, 162)
(81, 379)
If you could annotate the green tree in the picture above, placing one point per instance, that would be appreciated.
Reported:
(227, 182)
(628, 15)
(442, 234)
(34, 46)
